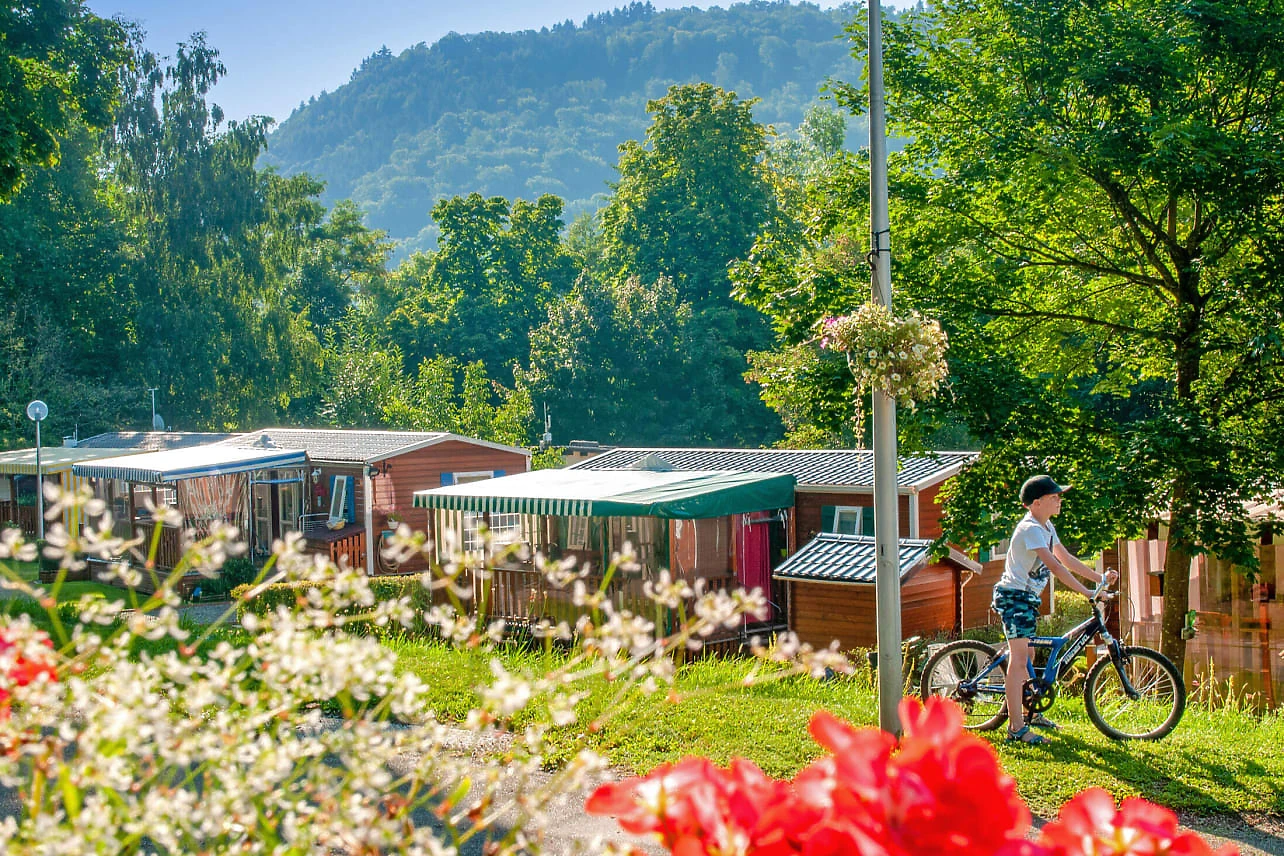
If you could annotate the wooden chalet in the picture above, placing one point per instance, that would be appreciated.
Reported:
(716, 526)
(20, 478)
(207, 485)
(360, 484)
(831, 595)
(835, 487)
(1239, 625)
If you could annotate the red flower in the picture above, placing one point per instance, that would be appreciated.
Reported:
(1090, 825)
(695, 807)
(22, 664)
(938, 792)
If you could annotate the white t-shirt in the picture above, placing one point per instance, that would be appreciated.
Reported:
(1023, 570)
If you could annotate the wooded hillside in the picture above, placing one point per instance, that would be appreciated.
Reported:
(523, 114)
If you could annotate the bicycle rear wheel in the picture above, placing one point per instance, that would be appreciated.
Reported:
(958, 671)
(1160, 695)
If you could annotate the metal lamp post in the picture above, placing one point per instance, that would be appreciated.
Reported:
(886, 537)
(36, 412)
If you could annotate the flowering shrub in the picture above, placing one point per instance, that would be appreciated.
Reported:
(939, 790)
(902, 357)
(129, 731)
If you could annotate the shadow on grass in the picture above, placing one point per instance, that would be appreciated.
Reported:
(1135, 768)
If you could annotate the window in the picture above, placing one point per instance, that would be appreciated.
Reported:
(338, 500)
(577, 533)
(504, 529)
(853, 520)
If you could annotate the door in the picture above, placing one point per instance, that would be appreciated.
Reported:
(261, 512)
(290, 502)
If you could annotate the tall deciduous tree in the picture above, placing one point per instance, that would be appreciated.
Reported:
(58, 66)
(692, 196)
(1101, 187)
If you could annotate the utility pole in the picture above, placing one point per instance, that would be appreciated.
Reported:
(36, 412)
(886, 536)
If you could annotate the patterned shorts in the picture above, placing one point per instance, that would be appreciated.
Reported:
(1019, 611)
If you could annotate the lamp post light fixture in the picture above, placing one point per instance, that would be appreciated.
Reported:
(36, 412)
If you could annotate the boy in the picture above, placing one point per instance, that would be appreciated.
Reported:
(1034, 554)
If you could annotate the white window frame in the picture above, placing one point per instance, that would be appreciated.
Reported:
(848, 510)
(338, 501)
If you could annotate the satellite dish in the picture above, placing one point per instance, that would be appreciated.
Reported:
(37, 410)
(158, 424)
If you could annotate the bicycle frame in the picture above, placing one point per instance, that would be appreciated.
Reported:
(1065, 649)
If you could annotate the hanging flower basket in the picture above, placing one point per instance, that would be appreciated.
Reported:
(902, 357)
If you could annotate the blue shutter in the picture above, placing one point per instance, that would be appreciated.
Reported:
(827, 518)
(447, 479)
(349, 502)
(498, 473)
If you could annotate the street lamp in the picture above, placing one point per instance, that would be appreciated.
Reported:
(36, 412)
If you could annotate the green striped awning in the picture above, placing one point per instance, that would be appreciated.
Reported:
(617, 493)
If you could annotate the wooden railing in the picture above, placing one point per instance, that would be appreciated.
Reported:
(523, 597)
(350, 549)
(25, 516)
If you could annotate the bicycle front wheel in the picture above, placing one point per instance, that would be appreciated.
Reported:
(964, 672)
(1153, 707)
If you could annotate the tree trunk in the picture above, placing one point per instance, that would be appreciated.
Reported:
(1176, 580)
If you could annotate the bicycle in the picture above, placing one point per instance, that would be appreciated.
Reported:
(1134, 693)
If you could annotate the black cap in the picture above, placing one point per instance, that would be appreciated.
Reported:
(1039, 486)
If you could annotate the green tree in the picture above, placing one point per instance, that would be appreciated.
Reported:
(223, 325)
(692, 196)
(58, 67)
(1098, 199)
(478, 296)
(631, 363)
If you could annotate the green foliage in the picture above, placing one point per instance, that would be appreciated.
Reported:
(692, 196)
(631, 362)
(269, 597)
(57, 70)
(528, 113)
(236, 571)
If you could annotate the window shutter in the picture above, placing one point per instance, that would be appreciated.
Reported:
(867, 520)
(447, 479)
(827, 518)
(349, 502)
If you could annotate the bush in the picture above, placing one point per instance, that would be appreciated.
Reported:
(237, 571)
(383, 588)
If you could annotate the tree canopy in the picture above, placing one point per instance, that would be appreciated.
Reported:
(1092, 203)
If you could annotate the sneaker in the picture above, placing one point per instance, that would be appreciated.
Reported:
(1038, 720)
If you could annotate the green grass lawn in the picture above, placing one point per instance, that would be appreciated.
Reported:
(65, 592)
(1216, 762)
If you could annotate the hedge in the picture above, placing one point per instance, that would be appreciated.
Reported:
(383, 588)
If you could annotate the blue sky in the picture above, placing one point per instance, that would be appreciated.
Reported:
(281, 52)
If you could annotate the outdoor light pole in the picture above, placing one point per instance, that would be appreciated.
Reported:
(886, 537)
(36, 412)
(152, 390)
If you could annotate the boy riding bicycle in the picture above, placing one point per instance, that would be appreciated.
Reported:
(1035, 553)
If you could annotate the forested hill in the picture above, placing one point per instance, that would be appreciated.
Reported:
(521, 114)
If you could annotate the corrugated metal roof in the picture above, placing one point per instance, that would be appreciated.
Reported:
(847, 468)
(350, 446)
(834, 558)
(150, 441)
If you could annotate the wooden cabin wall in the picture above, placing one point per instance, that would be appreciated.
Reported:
(808, 505)
(929, 512)
(822, 612)
(394, 490)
